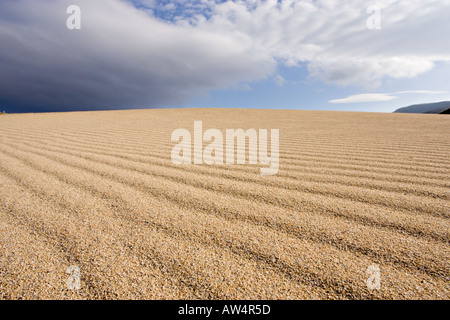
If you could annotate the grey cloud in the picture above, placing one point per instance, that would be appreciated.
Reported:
(121, 57)
(332, 37)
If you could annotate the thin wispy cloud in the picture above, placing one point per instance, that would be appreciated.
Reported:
(280, 81)
(377, 97)
(369, 97)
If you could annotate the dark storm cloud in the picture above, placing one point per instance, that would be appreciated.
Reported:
(121, 58)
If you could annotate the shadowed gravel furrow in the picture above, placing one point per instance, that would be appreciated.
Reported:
(360, 150)
(97, 255)
(225, 231)
(388, 221)
(341, 287)
(333, 176)
(394, 220)
(170, 265)
(405, 259)
(39, 270)
(425, 181)
(417, 188)
(153, 255)
(291, 162)
(438, 208)
(317, 280)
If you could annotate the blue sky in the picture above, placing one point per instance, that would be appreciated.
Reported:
(359, 55)
(299, 91)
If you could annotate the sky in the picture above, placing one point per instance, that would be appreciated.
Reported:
(352, 55)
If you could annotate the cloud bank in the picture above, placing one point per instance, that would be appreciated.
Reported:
(121, 57)
(143, 54)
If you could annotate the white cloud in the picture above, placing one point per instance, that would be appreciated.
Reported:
(422, 92)
(280, 81)
(377, 97)
(332, 37)
(369, 97)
